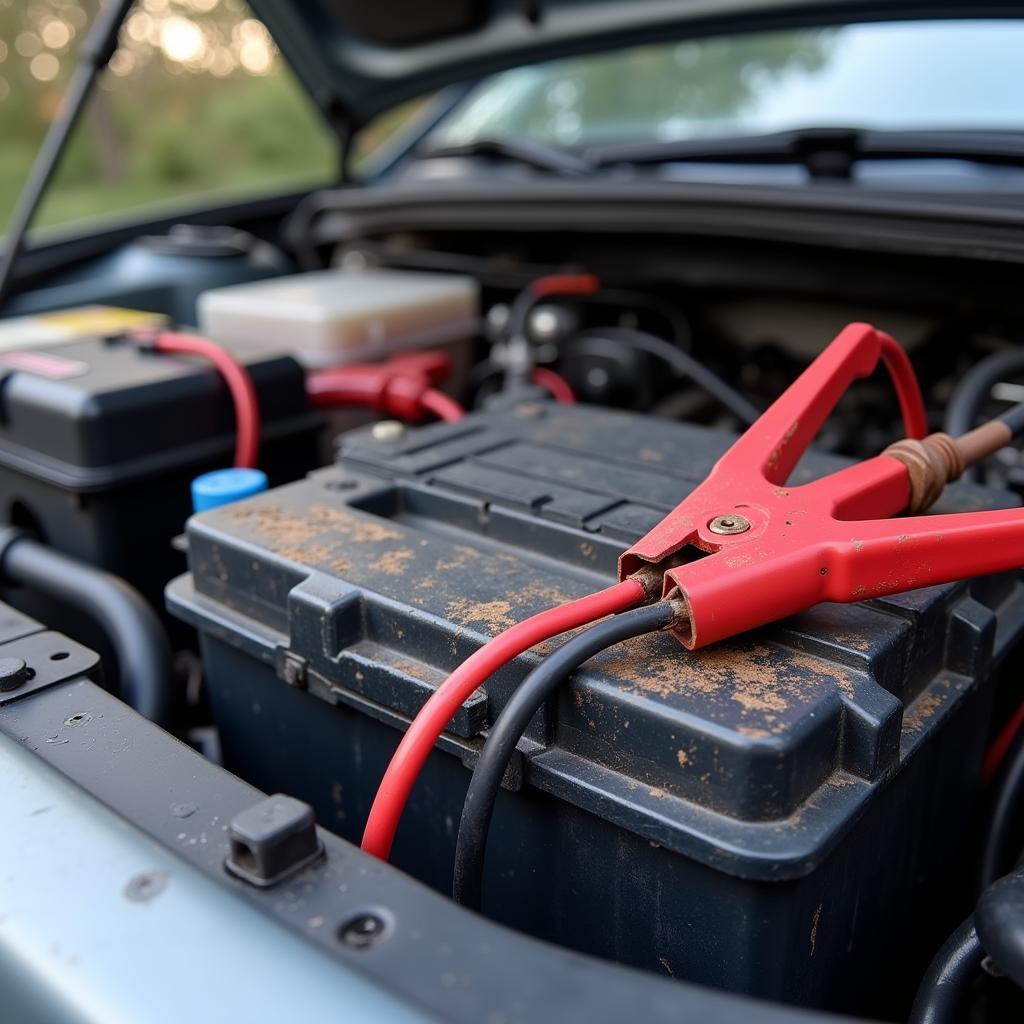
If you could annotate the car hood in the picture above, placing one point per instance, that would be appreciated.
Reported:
(358, 58)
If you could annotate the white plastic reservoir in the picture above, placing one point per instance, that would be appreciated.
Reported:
(334, 317)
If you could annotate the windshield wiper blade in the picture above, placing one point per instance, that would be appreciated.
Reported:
(520, 151)
(825, 152)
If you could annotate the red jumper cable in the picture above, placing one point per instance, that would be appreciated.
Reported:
(771, 550)
(427, 726)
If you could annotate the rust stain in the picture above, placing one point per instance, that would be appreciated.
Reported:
(459, 557)
(587, 550)
(359, 529)
(759, 699)
(683, 758)
(305, 553)
(756, 677)
(415, 670)
(541, 593)
(307, 538)
(495, 615)
(755, 734)
(815, 666)
(393, 563)
(656, 792)
(650, 455)
(917, 715)
(858, 641)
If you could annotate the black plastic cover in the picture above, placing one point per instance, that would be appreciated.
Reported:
(93, 414)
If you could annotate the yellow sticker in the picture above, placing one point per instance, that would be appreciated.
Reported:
(100, 319)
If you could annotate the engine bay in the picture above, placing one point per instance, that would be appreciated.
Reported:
(456, 424)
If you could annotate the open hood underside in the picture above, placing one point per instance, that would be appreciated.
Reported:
(359, 58)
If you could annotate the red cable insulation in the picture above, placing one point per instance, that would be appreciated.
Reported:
(443, 407)
(555, 383)
(996, 753)
(564, 284)
(235, 376)
(326, 392)
(908, 390)
(434, 716)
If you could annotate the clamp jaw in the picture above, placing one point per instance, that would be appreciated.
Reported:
(743, 549)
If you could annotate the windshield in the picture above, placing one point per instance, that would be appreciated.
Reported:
(938, 75)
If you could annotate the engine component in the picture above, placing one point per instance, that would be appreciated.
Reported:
(973, 390)
(128, 622)
(403, 386)
(333, 317)
(99, 443)
(715, 814)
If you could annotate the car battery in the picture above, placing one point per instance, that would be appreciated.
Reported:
(99, 441)
(774, 814)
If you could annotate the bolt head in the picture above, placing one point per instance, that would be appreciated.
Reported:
(13, 673)
(729, 523)
(363, 930)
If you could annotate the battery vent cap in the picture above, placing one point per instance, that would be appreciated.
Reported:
(226, 485)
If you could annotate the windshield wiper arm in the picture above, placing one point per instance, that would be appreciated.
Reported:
(531, 154)
(825, 152)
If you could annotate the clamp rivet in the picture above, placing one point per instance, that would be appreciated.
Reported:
(729, 523)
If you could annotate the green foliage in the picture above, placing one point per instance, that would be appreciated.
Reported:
(165, 133)
(637, 92)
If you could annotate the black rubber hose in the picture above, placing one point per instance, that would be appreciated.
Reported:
(1000, 852)
(969, 395)
(1014, 419)
(1000, 923)
(541, 683)
(683, 365)
(943, 992)
(135, 633)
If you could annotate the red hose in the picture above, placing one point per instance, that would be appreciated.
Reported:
(235, 376)
(325, 392)
(434, 716)
(402, 387)
(564, 284)
(554, 383)
(443, 407)
(996, 754)
(908, 390)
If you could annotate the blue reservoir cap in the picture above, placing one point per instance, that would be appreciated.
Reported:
(223, 486)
